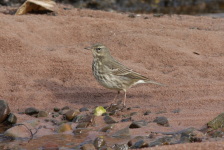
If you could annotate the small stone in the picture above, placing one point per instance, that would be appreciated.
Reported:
(217, 122)
(217, 134)
(184, 139)
(176, 111)
(71, 114)
(78, 118)
(80, 131)
(138, 124)
(42, 114)
(63, 112)
(50, 146)
(64, 127)
(46, 120)
(140, 144)
(131, 16)
(133, 113)
(162, 121)
(82, 125)
(88, 147)
(109, 120)
(65, 108)
(56, 109)
(126, 119)
(12, 119)
(122, 147)
(157, 15)
(122, 133)
(31, 111)
(83, 109)
(155, 143)
(146, 17)
(4, 110)
(89, 118)
(55, 115)
(55, 122)
(99, 142)
(108, 127)
(147, 112)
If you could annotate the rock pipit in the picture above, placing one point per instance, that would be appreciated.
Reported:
(112, 74)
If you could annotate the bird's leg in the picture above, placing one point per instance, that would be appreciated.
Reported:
(118, 92)
(124, 98)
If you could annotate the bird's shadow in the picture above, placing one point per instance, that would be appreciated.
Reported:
(86, 95)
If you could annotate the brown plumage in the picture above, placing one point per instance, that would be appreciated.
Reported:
(112, 74)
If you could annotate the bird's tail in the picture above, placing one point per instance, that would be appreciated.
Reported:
(150, 81)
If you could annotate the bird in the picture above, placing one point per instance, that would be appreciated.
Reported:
(112, 74)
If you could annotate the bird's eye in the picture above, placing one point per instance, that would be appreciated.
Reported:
(98, 49)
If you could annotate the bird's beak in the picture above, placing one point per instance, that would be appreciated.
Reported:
(88, 48)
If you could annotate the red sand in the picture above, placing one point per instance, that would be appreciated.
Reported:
(43, 63)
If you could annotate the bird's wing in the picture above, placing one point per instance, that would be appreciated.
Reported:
(118, 69)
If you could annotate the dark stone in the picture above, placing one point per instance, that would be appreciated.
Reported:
(157, 15)
(109, 120)
(138, 124)
(4, 110)
(42, 114)
(126, 120)
(99, 142)
(65, 108)
(162, 121)
(155, 143)
(133, 113)
(78, 118)
(147, 112)
(80, 131)
(217, 134)
(122, 133)
(131, 16)
(217, 122)
(88, 147)
(122, 147)
(55, 115)
(176, 111)
(83, 109)
(12, 119)
(56, 109)
(31, 111)
(184, 139)
(108, 127)
(89, 118)
(140, 144)
(82, 125)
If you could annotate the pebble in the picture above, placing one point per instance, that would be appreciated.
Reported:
(71, 114)
(138, 124)
(42, 114)
(108, 127)
(109, 120)
(88, 147)
(12, 119)
(122, 133)
(140, 144)
(56, 109)
(64, 127)
(4, 110)
(162, 121)
(99, 142)
(65, 108)
(31, 111)
(83, 109)
(82, 125)
(147, 112)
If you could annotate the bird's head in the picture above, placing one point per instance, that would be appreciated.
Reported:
(99, 50)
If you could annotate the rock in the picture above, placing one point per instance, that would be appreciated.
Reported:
(131, 142)
(63, 112)
(12, 119)
(126, 119)
(108, 127)
(56, 109)
(155, 143)
(65, 108)
(55, 115)
(162, 121)
(71, 114)
(80, 131)
(140, 144)
(131, 16)
(64, 127)
(4, 110)
(138, 124)
(99, 142)
(217, 122)
(217, 134)
(122, 147)
(83, 109)
(31, 111)
(42, 114)
(89, 118)
(133, 113)
(147, 112)
(22, 130)
(82, 125)
(122, 133)
(184, 139)
(109, 120)
(78, 118)
(88, 147)
(50, 146)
